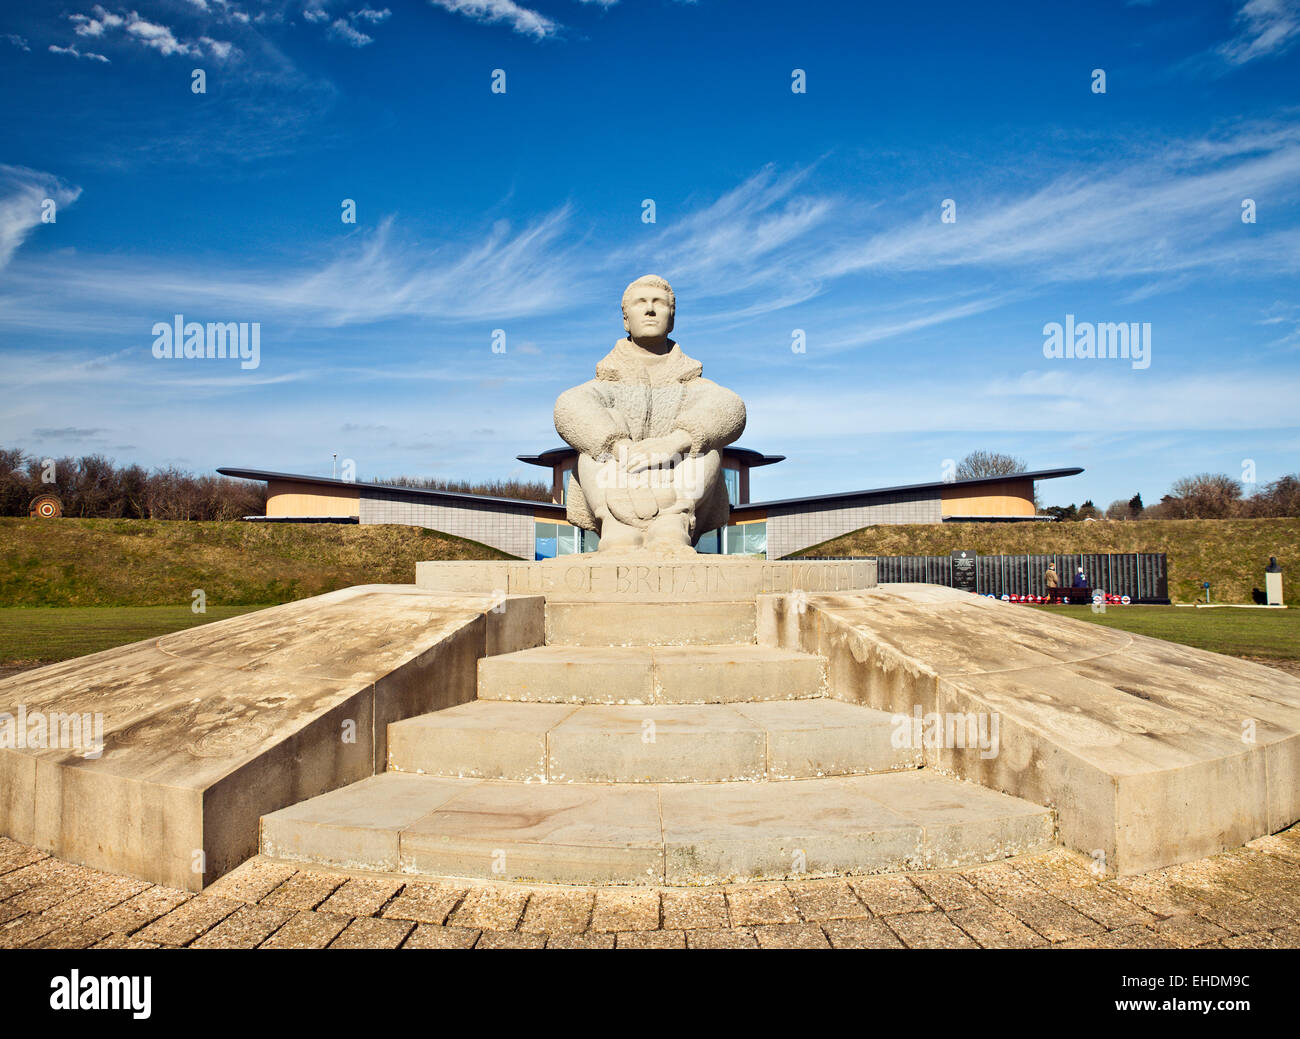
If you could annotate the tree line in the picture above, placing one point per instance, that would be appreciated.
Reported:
(1203, 496)
(95, 487)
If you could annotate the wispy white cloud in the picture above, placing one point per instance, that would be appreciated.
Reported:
(1264, 28)
(72, 52)
(129, 27)
(1162, 214)
(341, 30)
(22, 203)
(522, 20)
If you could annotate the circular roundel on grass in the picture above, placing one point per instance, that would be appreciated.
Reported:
(1125, 599)
(46, 506)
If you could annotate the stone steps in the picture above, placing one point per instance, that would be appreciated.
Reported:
(649, 743)
(673, 834)
(651, 674)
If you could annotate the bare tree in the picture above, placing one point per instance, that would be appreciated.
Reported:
(1204, 496)
(989, 463)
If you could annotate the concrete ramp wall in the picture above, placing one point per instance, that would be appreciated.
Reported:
(207, 730)
(1151, 753)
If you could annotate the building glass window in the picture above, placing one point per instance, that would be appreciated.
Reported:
(561, 539)
(732, 478)
(710, 543)
(545, 541)
(747, 539)
(564, 490)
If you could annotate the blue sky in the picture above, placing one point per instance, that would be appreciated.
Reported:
(774, 211)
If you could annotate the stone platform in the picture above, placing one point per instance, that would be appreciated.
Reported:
(206, 730)
(764, 730)
(1150, 753)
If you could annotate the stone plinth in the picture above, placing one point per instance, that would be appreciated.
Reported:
(1151, 753)
(208, 729)
(588, 578)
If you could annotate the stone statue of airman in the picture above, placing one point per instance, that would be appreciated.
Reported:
(649, 431)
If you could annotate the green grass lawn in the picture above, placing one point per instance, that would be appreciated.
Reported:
(49, 634)
(1274, 634)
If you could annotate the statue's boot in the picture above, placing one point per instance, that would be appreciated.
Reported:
(670, 531)
(615, 535)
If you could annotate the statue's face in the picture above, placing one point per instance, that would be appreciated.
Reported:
(647, 313)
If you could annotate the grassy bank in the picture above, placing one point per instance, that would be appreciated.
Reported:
(1230, 554)
(1271, 634)
(88, 562)
(48, 634)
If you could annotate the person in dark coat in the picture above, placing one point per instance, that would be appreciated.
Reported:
(1080, 578)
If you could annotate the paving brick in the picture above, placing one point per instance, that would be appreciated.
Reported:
(510, 940)
(1106, 907)
(361, 896)
(694, 909)
(827, 900)
(426, 903)
(1188, 931)
(371, 932)
(307, 930)
(929, 931)
(590, 940)
(1042, 912)
(491, 909)
(721, 938)
(1122, 938)
(139, 910)
(1156, 895)
(558, 912)
(14, 855)
(69, 936)
(763, 904)
(54, 874)
(885, 896)
(304, 890)
(861, 934)
(1258, 914)
(432, 936)
(252, 881)
(993, 927)
(246, 928)
(188, 920)
(670, 939)
(122, 941)
(949, 891)
(616, 910)
(1275, 844)
(790, 936)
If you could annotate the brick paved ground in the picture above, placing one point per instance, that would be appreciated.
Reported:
(1249, 897)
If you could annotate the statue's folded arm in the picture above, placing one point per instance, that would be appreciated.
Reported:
(711, 415)
(585, 422)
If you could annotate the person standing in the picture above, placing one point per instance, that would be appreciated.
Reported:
(1053, 582)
